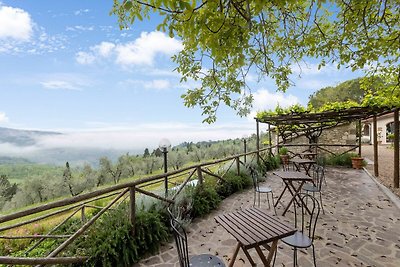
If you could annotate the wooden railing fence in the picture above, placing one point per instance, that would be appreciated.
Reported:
(130, 191)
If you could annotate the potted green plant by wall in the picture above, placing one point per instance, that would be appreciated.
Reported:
(357, 162)
(283, 153)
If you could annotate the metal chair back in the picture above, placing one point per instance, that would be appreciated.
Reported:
(181, 242)
(306, 216)
(318, 176)
(180, 237)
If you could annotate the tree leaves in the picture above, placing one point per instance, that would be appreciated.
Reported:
(225, 41)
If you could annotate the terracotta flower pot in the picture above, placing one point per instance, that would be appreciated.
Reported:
(357, 162)
(284, 159)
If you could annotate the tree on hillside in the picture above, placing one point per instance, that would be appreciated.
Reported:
(108, 171)
(7, 190)
(146, 153)
(349, 90)
(225, 41)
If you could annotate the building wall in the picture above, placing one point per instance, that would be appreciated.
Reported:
(340, 135)
(381, 125)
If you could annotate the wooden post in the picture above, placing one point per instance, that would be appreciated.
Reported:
(376, 166)
(396, 149)
(238, 165)
(359, 138)
(269, 139)
(200, 175)
(83, 217)
(258, 140)
(132, 207)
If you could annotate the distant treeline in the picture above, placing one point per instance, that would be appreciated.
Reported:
(41, 183)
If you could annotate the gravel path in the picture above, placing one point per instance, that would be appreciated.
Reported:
(385, 161)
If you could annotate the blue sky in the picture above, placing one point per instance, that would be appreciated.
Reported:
(66, 66)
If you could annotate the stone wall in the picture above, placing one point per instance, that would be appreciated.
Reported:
(344, 134)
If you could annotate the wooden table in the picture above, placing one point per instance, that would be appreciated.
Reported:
(308, 155)
(253, 228)
(288, 177)
(305, 163)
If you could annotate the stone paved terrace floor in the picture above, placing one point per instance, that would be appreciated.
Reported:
(361, 227)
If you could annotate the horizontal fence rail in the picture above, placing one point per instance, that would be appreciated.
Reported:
(116, 194)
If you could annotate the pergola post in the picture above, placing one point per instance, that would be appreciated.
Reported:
(396, 149)
(258, 140)
(269, 139)
(359, 138)
(376, 166)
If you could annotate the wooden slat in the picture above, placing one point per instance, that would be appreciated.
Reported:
(253, 227)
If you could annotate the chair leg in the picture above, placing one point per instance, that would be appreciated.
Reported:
(276, 251)
(320, 201)
(273, 204)
(313, 253)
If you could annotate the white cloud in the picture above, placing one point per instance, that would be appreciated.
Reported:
(85, 58)
(141, 51)
(65, 81)
(59, 85)
(81, 12)
(15, 23)
(104, 49)
(80, 28)
(157, 84)
(3, 117)
(19, 34)
(264, 100)
(145, 135)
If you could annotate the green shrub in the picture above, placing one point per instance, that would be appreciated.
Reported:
(341, 160)
(109, 242)
(205, 199)
(233, 183)
(283, 150)
(268, 164)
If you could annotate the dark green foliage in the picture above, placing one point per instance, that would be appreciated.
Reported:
(7, 190)
(342, 160)
(348, 90)
(268, 164)
(233, 183)
(109, 242)
(205, 199)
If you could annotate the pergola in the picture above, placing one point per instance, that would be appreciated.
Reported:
(309, 122)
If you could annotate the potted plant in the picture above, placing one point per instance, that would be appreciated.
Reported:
(283, 153)
(357, 162)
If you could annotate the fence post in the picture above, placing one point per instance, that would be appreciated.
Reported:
(132, 207)
(83, 217)
(238, 165)
(199, 174)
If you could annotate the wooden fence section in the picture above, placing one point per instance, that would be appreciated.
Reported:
(78, 205)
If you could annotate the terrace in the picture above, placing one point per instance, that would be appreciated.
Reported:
(359, 228)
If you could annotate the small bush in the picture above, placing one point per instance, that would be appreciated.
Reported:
(233, 183)
(205, 199)
(109, 242)
(341, 160)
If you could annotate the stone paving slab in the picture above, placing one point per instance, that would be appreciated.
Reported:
(361, 227)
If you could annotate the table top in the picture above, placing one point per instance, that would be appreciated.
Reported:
(308, 153)
(292, 175)
(296, 160)
(253, 227)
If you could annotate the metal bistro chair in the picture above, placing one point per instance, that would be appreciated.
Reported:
(203, 260)
(260, 189)
(318, 178)
(305, 222)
